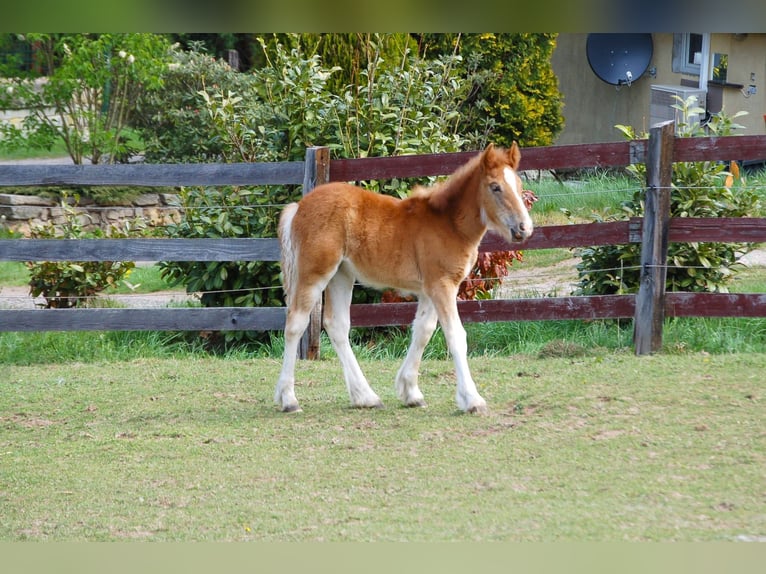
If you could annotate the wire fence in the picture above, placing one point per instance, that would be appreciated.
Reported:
(538, 278)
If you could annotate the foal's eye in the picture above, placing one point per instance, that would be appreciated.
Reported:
(495, 187)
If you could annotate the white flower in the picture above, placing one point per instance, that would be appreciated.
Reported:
(131, 59)
(9, 89)
(122, 53)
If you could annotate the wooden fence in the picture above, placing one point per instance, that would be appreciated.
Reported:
(648, 308)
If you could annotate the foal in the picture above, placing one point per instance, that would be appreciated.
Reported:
(425, 244)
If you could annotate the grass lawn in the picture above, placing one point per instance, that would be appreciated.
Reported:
(142, 279)
(58, 150)
(608, 447)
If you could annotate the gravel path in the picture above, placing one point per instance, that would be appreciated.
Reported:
(19, 298)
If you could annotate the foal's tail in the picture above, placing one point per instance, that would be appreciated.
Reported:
(289, 250)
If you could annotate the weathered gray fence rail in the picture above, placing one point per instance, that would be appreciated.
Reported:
(154, 175)
(648, 309)
(234, 249)
(150, 175)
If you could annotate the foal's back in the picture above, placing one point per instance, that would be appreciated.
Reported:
(378, 236)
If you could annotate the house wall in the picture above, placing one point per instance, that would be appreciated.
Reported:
(592, 107)
(747, 55)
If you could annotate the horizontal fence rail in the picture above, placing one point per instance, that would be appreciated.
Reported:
(749, 230)
(723, 230)
(230, 249)
(530, 309)
(154, 175)
(166, 319)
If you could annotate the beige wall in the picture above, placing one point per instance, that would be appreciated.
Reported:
(593, 107)
(747, 55)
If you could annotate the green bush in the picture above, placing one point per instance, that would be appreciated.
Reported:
(699, 189)
(514, 92)
(403, 105)
(279, 111)
(65, 284)
(87, 98)
(173, 122)
(228, 212)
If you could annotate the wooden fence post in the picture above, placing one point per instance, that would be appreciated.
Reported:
(650, 300)
(317, 172)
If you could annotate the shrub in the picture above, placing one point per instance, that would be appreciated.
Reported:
(65, 284)
(174, 123)
(281, 110)
(700, 189)
(410, 105)
(88, 97)
(228, 212)
(514, 92)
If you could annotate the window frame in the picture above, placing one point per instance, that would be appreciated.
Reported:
(681, 46)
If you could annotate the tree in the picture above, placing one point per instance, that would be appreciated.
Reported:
(515, 94)
(87, 99)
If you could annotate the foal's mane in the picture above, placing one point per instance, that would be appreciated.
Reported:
(442, 194)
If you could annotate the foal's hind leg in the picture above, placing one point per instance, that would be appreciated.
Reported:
(407, 378)
(298, 315)
(337, 323)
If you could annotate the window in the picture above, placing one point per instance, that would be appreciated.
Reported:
(687, 53)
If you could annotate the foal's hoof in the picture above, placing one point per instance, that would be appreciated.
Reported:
(416, 404)
(480, 410)
(292, 409)
(372, 405)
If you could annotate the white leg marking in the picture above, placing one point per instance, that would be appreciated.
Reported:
(284, 394)
(297, 317)
(468, 397)
(337, 322)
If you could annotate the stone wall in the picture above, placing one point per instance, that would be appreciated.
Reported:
(22, 213)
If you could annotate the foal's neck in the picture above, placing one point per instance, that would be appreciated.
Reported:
(461, 192)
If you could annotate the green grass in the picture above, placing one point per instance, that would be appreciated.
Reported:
(58, 150)
(681, 336)
(147, 436)
(13, 274)
(578, 200)
(749, 280)
(612, 447)
(544, 257)
(142, 279)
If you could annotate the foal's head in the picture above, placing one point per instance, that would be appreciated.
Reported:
(500, 191)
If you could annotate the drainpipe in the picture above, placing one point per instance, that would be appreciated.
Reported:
(705, 63)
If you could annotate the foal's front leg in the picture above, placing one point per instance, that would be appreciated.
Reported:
(468, 397)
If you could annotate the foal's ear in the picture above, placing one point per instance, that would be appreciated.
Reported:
(489, 156)
(514, 155)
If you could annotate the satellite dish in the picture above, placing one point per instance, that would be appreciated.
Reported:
(619, 59)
